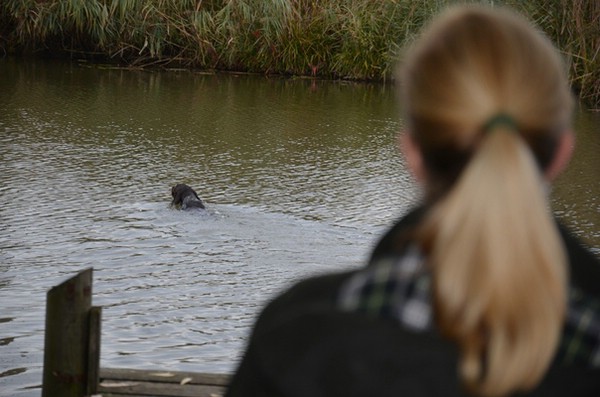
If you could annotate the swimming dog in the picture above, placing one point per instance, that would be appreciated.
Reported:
(185, 197)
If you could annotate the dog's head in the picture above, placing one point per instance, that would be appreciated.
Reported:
(180, 192)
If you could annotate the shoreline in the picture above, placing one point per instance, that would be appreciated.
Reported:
(357, 40)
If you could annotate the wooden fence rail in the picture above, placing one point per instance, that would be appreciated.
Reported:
(129, 382)
(72, 354)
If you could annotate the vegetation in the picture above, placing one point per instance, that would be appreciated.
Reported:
(353, 39)
(574, 25)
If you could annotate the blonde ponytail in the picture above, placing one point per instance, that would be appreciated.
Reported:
(499, 274)
(499, 277)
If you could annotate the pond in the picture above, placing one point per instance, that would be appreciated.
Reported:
(299, 176)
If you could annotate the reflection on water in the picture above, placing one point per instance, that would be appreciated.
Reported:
(576, 194)
(300, 177)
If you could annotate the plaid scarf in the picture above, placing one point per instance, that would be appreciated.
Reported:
(399, 288)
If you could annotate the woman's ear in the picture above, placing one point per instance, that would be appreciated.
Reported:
(412, 154)
(563, 154)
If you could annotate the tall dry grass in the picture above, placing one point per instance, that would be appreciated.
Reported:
(354, 39)
(579, 38)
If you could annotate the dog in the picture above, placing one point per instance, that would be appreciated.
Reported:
(185, 197)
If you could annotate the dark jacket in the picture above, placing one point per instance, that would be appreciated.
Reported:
(303, 344)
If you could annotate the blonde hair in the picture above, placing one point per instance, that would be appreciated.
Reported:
(498, 265)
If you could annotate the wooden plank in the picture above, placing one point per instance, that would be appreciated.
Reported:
(66, 337)
(176, 377)
(115, 382)
(142, 388)
(93, 365)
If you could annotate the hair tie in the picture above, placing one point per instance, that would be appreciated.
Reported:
(500, 119)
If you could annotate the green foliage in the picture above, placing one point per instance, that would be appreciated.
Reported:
(354, 39)
(576, 30)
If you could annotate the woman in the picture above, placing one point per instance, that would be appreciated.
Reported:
(478, 291)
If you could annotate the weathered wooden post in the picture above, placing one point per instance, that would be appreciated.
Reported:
(72, 339)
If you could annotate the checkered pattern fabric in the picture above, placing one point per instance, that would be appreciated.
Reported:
(398, 288)
(395, 288)
(581, 335)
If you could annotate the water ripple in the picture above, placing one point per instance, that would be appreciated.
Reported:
(298, 181)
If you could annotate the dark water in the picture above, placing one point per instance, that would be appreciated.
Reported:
(300, 177)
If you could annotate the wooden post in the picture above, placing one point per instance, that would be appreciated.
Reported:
(93, 377)
(67, 341)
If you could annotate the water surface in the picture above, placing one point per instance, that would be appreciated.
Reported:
(300, 177)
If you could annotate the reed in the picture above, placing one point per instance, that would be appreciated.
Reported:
(351, 39)
(579, 38)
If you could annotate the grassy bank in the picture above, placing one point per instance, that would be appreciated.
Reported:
(354, 39)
